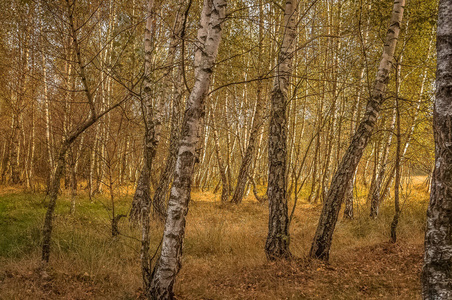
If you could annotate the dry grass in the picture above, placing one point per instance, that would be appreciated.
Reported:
(223, 253)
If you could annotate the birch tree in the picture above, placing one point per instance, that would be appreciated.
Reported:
(242, 178)
(152, 120)
(73, 134)
(437, 269)
(322, 240)
(277, 244)
(208, 41)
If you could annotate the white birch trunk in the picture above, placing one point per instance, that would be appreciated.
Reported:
(169, 263)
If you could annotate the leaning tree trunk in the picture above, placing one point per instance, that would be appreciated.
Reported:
(377, 192)
(67, 142)
(250, 151)
(322, 240)
(277, 244)
(169, 263)
(437, 270)
(380, 170)
(349, 199)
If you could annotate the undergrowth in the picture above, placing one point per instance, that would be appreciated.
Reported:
(223, 251)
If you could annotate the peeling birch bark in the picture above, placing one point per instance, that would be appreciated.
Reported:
(437, 269)
(169, 263)
(161, 192)
(152, 121)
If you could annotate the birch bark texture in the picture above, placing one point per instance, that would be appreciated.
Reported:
(152, 121)
(437, 269)
(161, 191)
(169, 262)
(323, 237)
(277, 244)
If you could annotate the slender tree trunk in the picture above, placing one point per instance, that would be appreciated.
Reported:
(53, 194)
(222, 169)
(6, 154)
(160, 195)
(169, 263)
(49, 146)
(15, 178)
(277, 244)
(437, 270)
(322, 240)
(242, 178)
(67, 142)
(377, 192)
(92, 164)
(356, 110)
(381, 170)
(395, 220)
(152, 119)
(250, 151)
(31, 157)
(73, 172)
(412, 127)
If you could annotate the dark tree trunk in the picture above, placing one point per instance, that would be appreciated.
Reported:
(54, 185)
(395, 220)
(437, 270)
(277, 244)
(250, 151)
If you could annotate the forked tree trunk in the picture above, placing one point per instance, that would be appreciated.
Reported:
(321, 245)
(437, 270)
(277, 244)
(67, 142)
(169, 263)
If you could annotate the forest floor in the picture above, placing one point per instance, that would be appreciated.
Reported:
(223, 252)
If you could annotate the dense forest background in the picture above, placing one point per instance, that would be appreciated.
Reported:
(88, 89)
